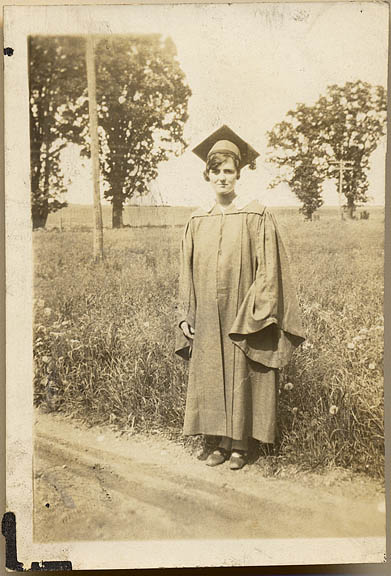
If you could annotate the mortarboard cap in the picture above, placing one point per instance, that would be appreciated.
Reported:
(226, 140)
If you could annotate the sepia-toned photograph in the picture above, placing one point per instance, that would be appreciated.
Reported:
(195, 276)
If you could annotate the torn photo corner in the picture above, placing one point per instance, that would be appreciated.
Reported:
(104, 201)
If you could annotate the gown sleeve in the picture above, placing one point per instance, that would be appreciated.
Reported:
(186, 300)
(268, 327)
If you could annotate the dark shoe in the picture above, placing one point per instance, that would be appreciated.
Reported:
(238, 459)
(218, 456)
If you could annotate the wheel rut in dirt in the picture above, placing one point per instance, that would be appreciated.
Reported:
(86, 488)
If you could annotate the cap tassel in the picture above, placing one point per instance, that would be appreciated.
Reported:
(252, 165)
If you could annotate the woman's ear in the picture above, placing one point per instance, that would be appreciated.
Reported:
(206, 176)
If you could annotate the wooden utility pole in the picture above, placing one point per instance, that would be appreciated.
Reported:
(93, 125)
(343, 166)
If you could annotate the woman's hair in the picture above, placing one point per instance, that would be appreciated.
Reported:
(214, 161)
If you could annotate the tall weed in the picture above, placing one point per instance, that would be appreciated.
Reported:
(104, 337)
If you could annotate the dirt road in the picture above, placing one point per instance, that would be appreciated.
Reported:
(95, 485)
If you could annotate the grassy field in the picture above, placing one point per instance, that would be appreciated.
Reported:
(104, 337)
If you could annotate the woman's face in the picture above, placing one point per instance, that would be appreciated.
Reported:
(223, 177)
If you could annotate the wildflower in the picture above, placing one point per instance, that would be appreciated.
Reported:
(288, 386)
(72, 341)
(372, 366)
(294, 410)
(40, 303)
(307, 345)
(351, 345)
(45, 359)
(146, 324)
(333, 409)
(363, 331)
(47, 311)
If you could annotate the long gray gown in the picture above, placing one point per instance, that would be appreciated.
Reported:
(236, 292)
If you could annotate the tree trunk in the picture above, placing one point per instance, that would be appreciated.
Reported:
(117, 221)
(40, 215)
(307, 213)
(351, 209)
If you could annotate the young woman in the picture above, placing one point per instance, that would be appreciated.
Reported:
(238, 316)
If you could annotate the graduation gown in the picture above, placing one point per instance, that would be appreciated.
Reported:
(235, 291)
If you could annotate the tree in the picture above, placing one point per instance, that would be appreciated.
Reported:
(56, 82)
(296, 150)
(352, 119)
(345, 124)
(142, 105)
(307, 185)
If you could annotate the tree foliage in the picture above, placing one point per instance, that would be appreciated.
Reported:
(296, 144)
(57, 83)
(344, 124)
(142, 101)
(142, 107)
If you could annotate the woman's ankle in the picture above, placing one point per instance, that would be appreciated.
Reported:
(225, 443)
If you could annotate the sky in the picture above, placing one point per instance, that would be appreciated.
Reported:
(247, 65)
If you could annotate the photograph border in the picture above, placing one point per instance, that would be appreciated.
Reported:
(21, 21)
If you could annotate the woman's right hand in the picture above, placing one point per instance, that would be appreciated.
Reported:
(187, 329)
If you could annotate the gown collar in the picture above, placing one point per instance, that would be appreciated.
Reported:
(235, 206)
